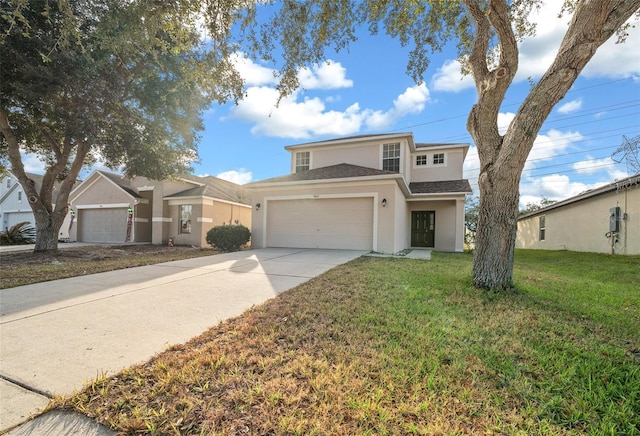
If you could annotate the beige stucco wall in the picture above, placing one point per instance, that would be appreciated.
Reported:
(366, 154)
(378, 190)
(393, 232)
(431, 173)
(205, 214)
(581, 226)
(449, 222)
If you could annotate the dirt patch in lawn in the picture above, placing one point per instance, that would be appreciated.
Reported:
(27, 267)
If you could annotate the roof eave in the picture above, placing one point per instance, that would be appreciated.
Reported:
(259, 185)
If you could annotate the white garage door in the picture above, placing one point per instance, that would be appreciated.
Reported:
(337, 223)
(102, 225)
(12, 218)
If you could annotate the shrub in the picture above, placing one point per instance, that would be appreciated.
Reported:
(228, 237)
(21, 233)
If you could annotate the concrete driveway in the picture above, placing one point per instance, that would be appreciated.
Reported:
(55, 336)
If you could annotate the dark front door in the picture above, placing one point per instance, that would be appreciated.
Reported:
(423, 228)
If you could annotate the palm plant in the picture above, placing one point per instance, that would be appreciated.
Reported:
(20, 233)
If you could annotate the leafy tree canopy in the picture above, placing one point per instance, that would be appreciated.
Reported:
(123, 81)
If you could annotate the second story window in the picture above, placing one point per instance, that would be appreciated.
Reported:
(8, 182)
(303, 160)
(438, 159)
(421, 160)
(20, 196)
(391, 157)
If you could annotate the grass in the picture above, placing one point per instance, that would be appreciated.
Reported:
(27, 267)
(398, 346)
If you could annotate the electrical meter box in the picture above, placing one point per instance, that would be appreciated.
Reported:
(614, 219)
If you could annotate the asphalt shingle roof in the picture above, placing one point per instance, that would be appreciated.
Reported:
(339, 171)
(440, 187)
(215, 188)
(344, 171)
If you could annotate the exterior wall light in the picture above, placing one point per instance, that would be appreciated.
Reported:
(384, 202)
(257, 206)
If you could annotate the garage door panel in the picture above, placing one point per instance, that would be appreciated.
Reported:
(344, 223)
(102, 225)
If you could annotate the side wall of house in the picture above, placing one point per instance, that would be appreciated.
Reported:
(583, 225)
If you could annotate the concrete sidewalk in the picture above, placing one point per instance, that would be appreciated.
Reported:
(57, 336)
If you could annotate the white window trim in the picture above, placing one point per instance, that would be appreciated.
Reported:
(432, 156)
(415, 160)
(295, 160)
(400, 161)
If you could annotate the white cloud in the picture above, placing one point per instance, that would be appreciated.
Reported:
(570, 106)
(329, 75)
(549, 145)
(240, 176)
(552, 187)
(504, 119)
(411, 101)
(449, 78)
(303, 117)
(32, 163)
(253, 74)
(537, 53)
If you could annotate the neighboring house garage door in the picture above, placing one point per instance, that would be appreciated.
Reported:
(13, 218)
(102, 225)
(337, 223)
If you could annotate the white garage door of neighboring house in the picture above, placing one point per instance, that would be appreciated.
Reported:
(12, 218)
(102, 225)
(336, 223)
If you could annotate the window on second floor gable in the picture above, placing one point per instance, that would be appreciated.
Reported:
(303, 161)
(19, 195)
(421, 160)
(8, 182)
(438, 159)
(391, 157)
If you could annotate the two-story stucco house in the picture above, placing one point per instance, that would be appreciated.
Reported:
(384, 193)
(111, 208)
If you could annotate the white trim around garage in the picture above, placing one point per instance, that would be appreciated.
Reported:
(372, 195)
(103, 206)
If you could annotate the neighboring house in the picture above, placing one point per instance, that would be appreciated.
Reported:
(384, 193)
(15, 207)
(602, 220)
(110, 208)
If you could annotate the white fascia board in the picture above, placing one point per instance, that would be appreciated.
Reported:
(353, 140)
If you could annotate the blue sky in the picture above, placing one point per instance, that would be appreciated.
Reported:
(365, 90)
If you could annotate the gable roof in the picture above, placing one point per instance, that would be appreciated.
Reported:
(123, 182)
(627, 183)
(37, 180)
(214, 187)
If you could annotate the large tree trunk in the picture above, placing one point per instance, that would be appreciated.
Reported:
(49, 212)
(47, 229)
(502, 157)
(496, 232)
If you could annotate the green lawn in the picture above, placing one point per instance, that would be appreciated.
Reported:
(400, 346)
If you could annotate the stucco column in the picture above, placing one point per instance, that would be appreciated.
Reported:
(460, 225)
